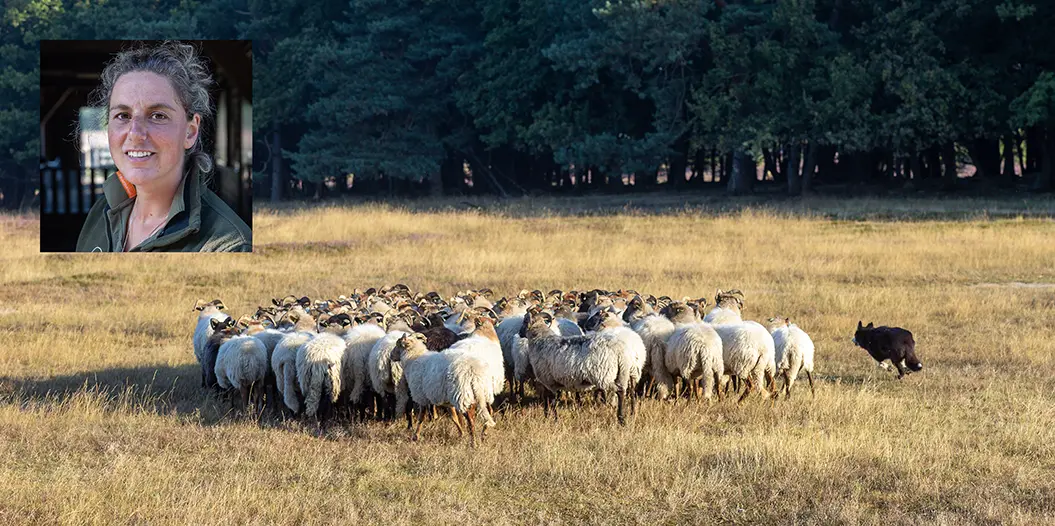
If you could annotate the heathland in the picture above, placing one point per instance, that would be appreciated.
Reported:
(103, 420)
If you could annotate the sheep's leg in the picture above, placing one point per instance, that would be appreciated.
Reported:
(677, 389)
(748, 387)
(409, 414)
(433, 415)
(787, 385)
(470, 417)
(457, 419)
(809, 376)
(621, 394)
(556, 418)
(417, 429)
(244, 391)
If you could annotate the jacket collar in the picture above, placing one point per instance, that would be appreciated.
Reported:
(184, 216)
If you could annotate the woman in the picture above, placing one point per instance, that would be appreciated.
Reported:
(157, 100)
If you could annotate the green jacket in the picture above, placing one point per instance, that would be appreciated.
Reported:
(198, 221)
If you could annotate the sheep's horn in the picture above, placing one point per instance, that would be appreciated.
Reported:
(488, 311)
(197, 304)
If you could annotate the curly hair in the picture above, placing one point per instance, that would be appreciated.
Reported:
(185, 70)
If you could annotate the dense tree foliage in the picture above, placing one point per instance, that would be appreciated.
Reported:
(513, 96)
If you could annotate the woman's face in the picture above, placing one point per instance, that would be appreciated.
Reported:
(148, 129)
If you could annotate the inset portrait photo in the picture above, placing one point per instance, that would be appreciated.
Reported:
(146, 146)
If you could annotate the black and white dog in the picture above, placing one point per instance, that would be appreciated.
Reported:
(889, 343)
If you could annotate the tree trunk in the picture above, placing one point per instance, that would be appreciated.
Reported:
(915, 165)
(948, 158)
(1047, 163)
(1009, 158)
(793, 174)
(934, 166)
(741, 178)
(277, 181)
(1033, 150)
(986, 156)
(679, 161)
(809, 166)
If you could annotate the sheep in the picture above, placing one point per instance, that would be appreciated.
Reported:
(633, 345)
(270, 338)
(358, 343)
(653, 328)
(222, 330)
(794, 352)
(693, 350)
(319, 372)
(576, 363)
(203, 330)
(241, 364)
(728, 307)
(748, 353)
(484, 344)
(458, 380)
(384, 375)
(889, 343)
(284, 367)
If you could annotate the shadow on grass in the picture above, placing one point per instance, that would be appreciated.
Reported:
(164, 390)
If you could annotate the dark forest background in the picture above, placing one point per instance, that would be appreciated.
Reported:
(512, 97)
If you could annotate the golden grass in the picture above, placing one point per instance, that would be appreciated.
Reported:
(102, 419)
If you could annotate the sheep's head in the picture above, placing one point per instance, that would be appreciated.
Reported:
(218, 325)
(604, 319)
(679, 312)
(202, 305)
(777, 322)
(408, 345)
(636, 309)
(535, 320)
(729, 299)
(226, 327)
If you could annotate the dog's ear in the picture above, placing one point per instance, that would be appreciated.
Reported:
(869, 325)
(860, 325)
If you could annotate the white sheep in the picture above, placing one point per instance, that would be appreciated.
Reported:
(484, 344)
(748, 353)
(385, 375)
(576, 363)
(633, 346)
(728, 307)
(319, 371)
(457, 380)
(358, 343)
(204, 329)
(241, 364)
(693, 350)
(284, 366)
(794, 352)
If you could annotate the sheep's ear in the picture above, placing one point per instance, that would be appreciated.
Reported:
(787, 321)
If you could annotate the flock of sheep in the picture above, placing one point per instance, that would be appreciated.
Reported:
(386, 352)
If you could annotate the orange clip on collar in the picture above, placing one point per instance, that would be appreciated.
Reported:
(130, 188)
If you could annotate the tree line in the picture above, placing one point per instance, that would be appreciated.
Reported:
(519, 96)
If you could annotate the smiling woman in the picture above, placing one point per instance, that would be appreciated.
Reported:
(156, 103)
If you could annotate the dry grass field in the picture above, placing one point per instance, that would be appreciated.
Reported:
(102, 420)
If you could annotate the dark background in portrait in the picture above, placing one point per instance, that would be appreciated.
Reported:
(70, 70)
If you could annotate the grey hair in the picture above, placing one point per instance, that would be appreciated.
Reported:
(187, 73)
